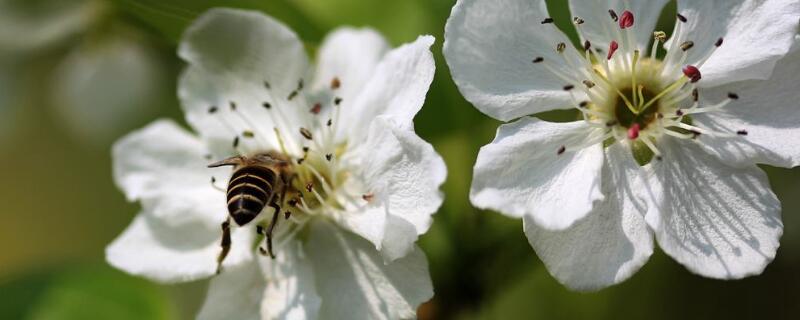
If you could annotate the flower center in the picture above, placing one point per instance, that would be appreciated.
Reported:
(629, 96)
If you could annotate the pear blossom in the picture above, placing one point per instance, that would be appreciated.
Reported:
(365, 188)
(665, 149)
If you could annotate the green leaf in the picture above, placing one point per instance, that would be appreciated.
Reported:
(101, 293)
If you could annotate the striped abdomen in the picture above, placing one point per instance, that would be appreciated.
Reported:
(249, 191)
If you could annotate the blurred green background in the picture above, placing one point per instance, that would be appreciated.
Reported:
(76, 75)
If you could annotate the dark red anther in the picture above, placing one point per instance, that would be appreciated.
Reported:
(626, 21)
(633, 131)
(692, 73)
(316, 108)
(612, 48)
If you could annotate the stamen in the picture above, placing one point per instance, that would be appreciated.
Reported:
(316, 108)
(633, 74)
(692, 73)
(613, 15)
(612, 47)
(633, 131)
(627, 20)
(658, 37)
(306, 134)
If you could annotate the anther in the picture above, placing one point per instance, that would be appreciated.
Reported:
(733, 96)
(587, 45)
(306, 134)
(328, 157)
(742, 132)
(330, 122)
(560, 47)
(659, 158)
(305, 149)
(208, 157)
(316, 108)
(248, 134)
(233, 105)
(687, 45)
(368, 197)
(300, 161)
(309, 186)
(336, 83)
(266, 105)
(300, 84)
(633, 131)
(588, 83)
(681, 18)
(659, 115)
(612, 47)
(695, 94)
(718, 43)
(292, 95)
(561, 150)
(569, 87)
(292, 202)
(583, 104)
(337, 101)
(679, 112)
(627, 20)
(660, 36)
(611, 123)
(212, 109)
(213, 180)
(547, 20)
(613, 15)
(578, 20)
(692, 73)
(236, 141)
(267, 85)
(538, 59)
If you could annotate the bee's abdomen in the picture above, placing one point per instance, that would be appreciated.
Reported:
(248, 192)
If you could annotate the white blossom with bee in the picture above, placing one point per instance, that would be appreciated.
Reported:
(360, 187)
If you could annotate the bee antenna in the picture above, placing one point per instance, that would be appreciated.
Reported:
(232, 161)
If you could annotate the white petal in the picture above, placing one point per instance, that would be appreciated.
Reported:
(489, 46)
(290, 292)
(164, 167)
(237, 293)
(521, 173)
(153, 249)
(599, 28)
(350, 55)
(231, 53)
(101, 87)
(756, 33)
(403, 173)
(767, 110)
(354, 282)
(397, 88)
(718, 221)
(611, 243)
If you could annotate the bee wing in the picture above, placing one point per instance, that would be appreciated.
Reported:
(232, 161)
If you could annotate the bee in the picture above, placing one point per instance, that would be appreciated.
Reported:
(257, 181)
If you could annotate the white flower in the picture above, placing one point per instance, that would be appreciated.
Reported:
(369, 184)
(665, 147)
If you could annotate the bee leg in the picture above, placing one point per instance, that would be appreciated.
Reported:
(225, 244)
(271, 227)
